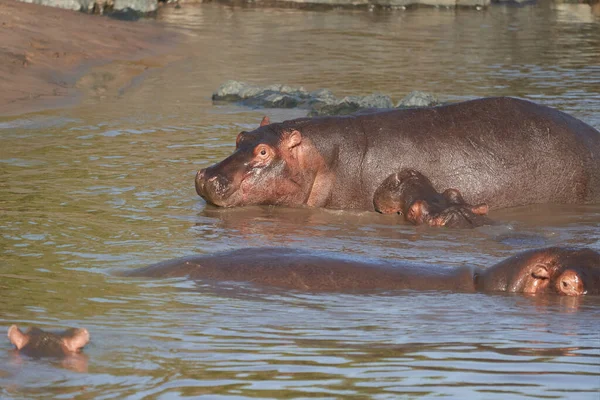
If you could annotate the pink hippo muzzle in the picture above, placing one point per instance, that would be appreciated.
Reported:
(214, 188)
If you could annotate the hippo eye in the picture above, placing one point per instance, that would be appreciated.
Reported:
(262, 153)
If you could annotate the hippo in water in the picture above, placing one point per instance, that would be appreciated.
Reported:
(38, 343)
(565, 271)
(411, 194)
(500, 151)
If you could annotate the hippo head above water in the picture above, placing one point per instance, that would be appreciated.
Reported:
(262, 170)
(570, 272)
(38, 343)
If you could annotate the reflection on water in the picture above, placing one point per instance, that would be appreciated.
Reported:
(109, 185)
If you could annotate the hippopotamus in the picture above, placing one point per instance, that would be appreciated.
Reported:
(564, 271)
(412, 195)
(500, 151)
(38, 343)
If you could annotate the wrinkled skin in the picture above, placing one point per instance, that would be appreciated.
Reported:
(412, 195)
(564, 271)
(38, 343)
(499, 151)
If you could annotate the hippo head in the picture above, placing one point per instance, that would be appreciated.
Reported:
(38, 343)
(570, 272)
(412, 194)
(262, 170)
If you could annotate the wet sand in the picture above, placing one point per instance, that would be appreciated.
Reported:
(45, 51)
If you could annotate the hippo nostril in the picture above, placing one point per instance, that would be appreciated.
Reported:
(218, 185)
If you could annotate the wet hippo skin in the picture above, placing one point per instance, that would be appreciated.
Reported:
(38, 343)
(500, 151)
(565, 271)
(411, 194)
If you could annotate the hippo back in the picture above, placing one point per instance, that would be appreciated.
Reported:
(503, 151)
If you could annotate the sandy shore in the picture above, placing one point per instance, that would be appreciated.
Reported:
(44, 51)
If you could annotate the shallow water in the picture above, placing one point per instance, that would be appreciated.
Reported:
(109, 185)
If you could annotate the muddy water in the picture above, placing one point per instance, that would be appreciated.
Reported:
(109, 185)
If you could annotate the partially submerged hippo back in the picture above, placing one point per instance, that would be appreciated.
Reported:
(500, 151)
(38, 343)
(570, 272)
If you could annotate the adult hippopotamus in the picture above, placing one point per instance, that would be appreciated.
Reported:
(499, 151)
(411, 194)
(38, 343)
(566, 271)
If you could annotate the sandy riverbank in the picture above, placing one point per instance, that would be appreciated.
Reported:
(44, 52)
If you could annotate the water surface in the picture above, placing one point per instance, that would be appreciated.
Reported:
(109, 185)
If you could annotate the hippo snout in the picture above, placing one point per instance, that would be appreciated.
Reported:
(214, 188)
(200, 182)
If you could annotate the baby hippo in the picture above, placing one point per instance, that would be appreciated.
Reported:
(411, 194)
(38, 343)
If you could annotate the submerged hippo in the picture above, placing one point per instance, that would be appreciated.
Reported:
(38, 343)
(571, 272)
(499, 151)
(411, 194)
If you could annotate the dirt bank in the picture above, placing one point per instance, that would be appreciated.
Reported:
(44, 51)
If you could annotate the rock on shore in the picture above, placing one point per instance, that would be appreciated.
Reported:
(318, 102)
(146, 7)
(142, 7)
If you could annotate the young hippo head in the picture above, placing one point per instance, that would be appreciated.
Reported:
(264, 169)
(399, 191)
(411, 194)
(38, 343)
(570, 272)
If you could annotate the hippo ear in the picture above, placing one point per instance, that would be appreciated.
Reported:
(480, 209)
(540, 271)
(265, 121)
(80, 338)
(292, 139)
(238, 139)
(16, 337)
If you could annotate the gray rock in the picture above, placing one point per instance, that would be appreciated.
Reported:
(235, 91)
(350, 104)
(385, 4)
(340, 108)
(418, 99)
(67, 4)
(238, 91)
(277, 100)
(324, 96)
(376, 100)
(87, 5)
(318, 102)
(287, 89)
(142, 6)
